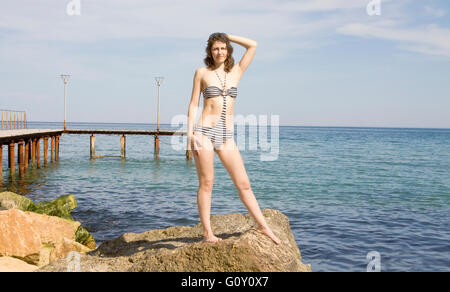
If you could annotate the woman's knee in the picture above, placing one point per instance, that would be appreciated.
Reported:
(206, 184)
(243, 185)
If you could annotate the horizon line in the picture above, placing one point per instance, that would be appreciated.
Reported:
(306, 126)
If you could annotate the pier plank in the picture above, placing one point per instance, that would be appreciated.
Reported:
(6, 136)
(125, 132)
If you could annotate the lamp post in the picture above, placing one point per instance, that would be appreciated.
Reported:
(159, 81)
(65, 79)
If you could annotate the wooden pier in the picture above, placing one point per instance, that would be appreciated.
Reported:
(28, 143)
(122, 134)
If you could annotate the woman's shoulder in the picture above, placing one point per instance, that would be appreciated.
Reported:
(200, 73)
(201, 70)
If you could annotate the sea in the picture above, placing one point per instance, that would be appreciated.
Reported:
(357, 199)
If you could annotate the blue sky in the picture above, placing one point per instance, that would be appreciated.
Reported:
(318, 63)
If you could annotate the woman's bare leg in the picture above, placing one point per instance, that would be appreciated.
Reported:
(232, 160)
(204, 162)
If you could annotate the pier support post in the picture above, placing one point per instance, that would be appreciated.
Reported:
(27, 154)
(21, 158)
(53, 149)
(92, 146)
(18, 157)
(156, 146)
(57, 148)
(9, 151)
(33, 153)
(38, 153)
(30, 147)
(12, 165)
(122, 146)
(45, 150)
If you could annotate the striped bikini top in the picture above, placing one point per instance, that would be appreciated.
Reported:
(214, 91)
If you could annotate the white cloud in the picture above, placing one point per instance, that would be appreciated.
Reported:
(101, 19)
(435, 12)
(431, 39)
(283, 25)
(325, 5)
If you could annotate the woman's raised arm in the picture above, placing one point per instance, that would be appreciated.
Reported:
(250, 45)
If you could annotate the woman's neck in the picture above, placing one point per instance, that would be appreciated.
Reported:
(219, 67)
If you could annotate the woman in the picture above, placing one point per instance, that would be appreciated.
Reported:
(214, 132)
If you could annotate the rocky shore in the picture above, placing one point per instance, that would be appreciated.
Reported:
(181, 249)
(175, 249)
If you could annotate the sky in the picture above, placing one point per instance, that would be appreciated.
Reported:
(318, 62)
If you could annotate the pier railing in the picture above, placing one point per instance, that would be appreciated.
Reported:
(13, 119)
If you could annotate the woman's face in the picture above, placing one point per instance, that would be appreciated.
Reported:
(219, 52)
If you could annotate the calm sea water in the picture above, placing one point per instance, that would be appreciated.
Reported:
(346, 191)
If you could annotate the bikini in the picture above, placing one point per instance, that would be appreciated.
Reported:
(218, 134)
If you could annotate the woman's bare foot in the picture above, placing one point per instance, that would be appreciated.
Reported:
(269, 233)
(212, 238)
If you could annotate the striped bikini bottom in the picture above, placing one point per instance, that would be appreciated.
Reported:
(218, 134)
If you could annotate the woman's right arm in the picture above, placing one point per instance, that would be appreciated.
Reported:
(193, 106)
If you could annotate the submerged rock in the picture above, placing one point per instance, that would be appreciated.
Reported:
(182, 249)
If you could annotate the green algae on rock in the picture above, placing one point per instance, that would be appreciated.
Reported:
(85, 238)
(10, 200)
(59, 207)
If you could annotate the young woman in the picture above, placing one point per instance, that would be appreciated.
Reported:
(218, 82)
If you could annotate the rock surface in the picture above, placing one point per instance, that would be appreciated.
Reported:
(182, 249)
(8, 264)
(24, 233)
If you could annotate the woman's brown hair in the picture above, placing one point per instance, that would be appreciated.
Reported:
(220, 37)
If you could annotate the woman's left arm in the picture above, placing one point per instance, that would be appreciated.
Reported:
(250, 45)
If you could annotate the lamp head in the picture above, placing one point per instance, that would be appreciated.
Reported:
(159, 80)
(65, 77)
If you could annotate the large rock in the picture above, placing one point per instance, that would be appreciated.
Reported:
(59, 207)
(36, 238)
(181, 248)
